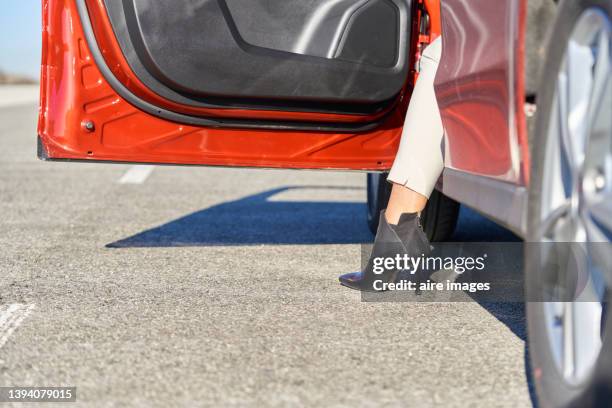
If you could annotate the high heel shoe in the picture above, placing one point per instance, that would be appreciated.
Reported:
(405, 238)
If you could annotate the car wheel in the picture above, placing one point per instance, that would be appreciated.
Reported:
(439, 218)
(570, 201)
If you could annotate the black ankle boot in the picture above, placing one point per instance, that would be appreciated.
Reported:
(405, 238)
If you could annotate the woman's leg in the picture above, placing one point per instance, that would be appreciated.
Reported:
(417, 167)
(419, 161)
(403, 200)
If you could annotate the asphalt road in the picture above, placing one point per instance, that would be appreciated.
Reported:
(218, 287)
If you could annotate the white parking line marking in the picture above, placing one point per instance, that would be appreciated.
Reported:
(136, 174)
(11, 317)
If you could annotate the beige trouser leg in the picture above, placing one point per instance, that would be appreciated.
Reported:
(419, 161)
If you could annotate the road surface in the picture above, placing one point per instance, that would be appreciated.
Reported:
(181, 286)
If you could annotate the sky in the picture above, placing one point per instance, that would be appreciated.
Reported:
(20, 37)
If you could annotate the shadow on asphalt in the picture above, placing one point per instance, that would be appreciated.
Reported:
(260, 220)
(473, 227)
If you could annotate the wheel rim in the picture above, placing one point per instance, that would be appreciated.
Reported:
(577, 192)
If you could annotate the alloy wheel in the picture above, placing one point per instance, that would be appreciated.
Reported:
(577, 195)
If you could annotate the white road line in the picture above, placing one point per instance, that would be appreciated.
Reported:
(136, 174)
(11, 317)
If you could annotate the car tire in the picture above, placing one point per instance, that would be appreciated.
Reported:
(378, 192)
(554, 386)
(439, 218)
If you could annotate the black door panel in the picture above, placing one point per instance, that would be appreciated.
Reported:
(321, 28)
(323, 55)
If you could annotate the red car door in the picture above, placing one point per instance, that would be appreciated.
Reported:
(262, 83)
